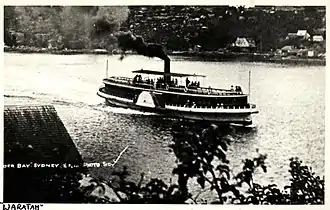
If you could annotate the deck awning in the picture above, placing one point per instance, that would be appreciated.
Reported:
(142, 71)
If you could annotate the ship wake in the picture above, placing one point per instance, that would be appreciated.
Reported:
(120, 110)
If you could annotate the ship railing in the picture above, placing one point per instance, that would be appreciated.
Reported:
(129, 81)
(197, 90)
(122, 80)
(119, 78)
(248, 106)
(205, 91)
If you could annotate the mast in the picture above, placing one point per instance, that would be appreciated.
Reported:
(106, 73)
(249, 83)
(167, 71)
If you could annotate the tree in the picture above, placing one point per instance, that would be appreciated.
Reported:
(67, 27)
(10, 24)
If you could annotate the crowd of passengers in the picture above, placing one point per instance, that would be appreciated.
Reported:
(160, 82)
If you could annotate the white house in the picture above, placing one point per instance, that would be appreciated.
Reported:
(243, 42)
(311, 53)
(318, 38)
(304, 34)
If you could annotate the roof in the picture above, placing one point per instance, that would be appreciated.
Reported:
(318, 38)
(302, 50)
(142, 71)
(302, 32)
(287, 47)
(244, 42)
(36, 135)
(41, 127)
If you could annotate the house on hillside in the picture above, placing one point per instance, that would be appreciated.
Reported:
(287, 49)
(303, 34)
(301, 39)
(318, 38)
(243, 44)
(299, 34)
(290, 50)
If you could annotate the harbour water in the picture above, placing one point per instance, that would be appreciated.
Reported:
(291, 101)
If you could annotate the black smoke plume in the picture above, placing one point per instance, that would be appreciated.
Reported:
(102, 27)
(127, 41)
(107, 24)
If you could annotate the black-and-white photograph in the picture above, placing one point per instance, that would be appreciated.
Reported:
(171, 104)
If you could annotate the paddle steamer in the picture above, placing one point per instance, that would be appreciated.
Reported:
(165, 95)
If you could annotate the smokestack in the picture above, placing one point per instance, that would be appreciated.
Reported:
(167, 71)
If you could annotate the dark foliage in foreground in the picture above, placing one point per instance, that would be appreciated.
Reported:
(201, 156)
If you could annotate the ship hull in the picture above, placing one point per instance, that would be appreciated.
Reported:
(242, 116)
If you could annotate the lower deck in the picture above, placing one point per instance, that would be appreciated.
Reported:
(178, 99)
(148, 101)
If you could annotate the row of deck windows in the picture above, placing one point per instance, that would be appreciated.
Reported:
(204, 101)
(247, 106)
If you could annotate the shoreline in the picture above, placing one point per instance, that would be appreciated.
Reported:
(199, 56)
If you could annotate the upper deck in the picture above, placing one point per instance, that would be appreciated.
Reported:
(174, 88)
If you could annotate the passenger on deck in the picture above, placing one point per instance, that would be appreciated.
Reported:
(135, 79)
(172, 82)
(138, 78)
(176, 82)
(187, 82)
(198, 84)
(187, 104)
(232, 88)
(238, 89)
